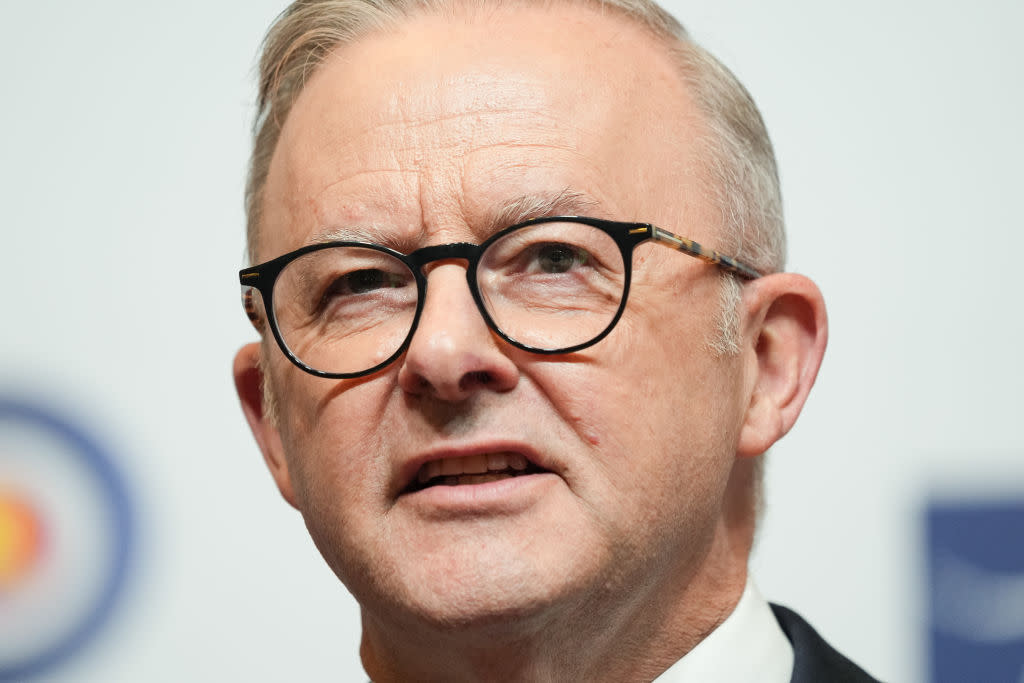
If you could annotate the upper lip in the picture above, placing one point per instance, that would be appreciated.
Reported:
(408, 469)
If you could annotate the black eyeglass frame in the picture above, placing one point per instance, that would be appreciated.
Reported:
(626, 235)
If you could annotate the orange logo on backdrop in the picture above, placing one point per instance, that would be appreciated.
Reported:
(21, 539)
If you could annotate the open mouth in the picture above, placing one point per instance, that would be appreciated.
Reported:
(472, 469)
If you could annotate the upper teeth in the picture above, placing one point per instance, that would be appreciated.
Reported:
(471, 464)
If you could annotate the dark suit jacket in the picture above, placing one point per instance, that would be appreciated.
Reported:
(815, 661)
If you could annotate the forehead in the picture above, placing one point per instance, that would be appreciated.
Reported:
(422, 132)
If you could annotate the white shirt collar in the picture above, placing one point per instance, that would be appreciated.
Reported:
(748, 646)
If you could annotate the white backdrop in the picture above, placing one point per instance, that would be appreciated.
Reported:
(123, 144)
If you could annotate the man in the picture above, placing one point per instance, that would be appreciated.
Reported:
(529, 445)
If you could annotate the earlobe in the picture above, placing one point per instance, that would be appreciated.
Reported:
(786, 333)
(249, 384)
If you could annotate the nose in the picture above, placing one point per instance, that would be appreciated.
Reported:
(453, 353)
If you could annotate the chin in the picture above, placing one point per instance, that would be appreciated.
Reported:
(455, 593)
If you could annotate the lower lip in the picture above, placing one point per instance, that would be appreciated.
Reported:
(505, 496)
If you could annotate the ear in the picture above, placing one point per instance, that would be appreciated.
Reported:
(785, 335)
(249, 384)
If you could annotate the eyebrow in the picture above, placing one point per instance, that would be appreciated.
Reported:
(564, 203)
(347, 234)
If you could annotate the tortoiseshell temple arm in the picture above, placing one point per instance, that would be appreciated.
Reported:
(704, 254)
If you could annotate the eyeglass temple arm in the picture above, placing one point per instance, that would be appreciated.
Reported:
(703, 253)
(251, 278)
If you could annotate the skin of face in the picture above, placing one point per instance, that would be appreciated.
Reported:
(633, 542)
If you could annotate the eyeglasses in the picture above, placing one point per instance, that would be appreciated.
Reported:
(548, 285)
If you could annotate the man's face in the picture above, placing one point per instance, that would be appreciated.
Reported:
(435, 133)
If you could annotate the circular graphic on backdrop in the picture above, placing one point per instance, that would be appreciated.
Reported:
(65, 538)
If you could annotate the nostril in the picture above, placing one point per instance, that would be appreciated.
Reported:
(476, 378)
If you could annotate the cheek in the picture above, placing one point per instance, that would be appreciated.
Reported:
(332, 436)
(337, 450)
(652, 399)
(654, 466)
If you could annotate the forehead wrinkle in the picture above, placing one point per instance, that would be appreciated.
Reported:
(398, 117)
(564, 201)
(318, 207)
(408, 122)
(470, 92)
(381, 214)
(421, 165)
(545, 132)
(564, 147)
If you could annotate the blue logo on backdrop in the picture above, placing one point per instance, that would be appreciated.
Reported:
(976, 593)
(66, 536)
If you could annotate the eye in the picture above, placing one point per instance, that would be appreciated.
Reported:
(363, 281)
(559, 258)
(360, 282)
(360, 291)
